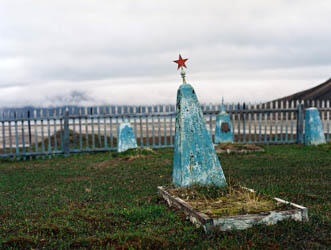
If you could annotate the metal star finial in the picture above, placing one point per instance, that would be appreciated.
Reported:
(181, 65)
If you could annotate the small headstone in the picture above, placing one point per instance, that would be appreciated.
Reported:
(314, 134)
(195, 159)
(223, 130)
(125, 137)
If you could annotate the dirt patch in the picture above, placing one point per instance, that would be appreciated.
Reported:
(237, 148)
(130, 158)
(103, 164)
(119, 159)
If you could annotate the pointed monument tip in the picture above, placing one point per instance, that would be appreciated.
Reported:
(185, 85)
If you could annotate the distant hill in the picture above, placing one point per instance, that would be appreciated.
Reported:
(320, 92)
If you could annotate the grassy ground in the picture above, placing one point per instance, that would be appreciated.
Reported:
(110, 200)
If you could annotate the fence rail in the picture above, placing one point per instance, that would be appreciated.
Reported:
(47, 133)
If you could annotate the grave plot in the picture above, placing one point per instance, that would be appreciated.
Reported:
(196, 168)
(236, 209)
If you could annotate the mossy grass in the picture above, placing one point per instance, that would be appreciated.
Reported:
(107, 200)
(226, 201)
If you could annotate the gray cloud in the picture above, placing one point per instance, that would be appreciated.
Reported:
(114, 49)
(75, 97)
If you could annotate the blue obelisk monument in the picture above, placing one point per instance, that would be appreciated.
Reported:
(223, 130)
(195, 159)
(314, 133)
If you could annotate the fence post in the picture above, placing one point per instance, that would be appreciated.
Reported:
(29, 129)
(66, 133)
(300, 124)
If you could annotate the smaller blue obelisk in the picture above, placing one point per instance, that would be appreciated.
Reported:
(223, 130)
(314, 133)
(125, 137)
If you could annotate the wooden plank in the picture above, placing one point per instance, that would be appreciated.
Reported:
(281, 121)
(328, 120)
(86, 129)
(49, 147)
(201, 218)
(111, 132)
(16, 135)
(141, 131)
(159, 129)
(42, 137)
(23, 137)
(265, 128)
(92, 127)
(74, 134)
(255, 119)
(3, 137)
(233, 119)
(271, 122)
(239, 122)
(10, 137)
(171, 135)
(244, 127)
(260, 126)
(292, 121)
(286, 122)
(29, 132)
(55, 134)
(105, 143)
(80, 129)
(165, 130)
(153, 131)
(99, 128)
(36, 143)
(276, 122)
(135, 126)
(66, 133)
(249, 124)
(147, 130)
(61, 129)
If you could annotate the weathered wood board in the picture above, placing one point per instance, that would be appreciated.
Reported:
(238, 222)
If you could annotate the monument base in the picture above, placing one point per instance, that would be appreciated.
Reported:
(237, 222)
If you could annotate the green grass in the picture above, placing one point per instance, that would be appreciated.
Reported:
(110, 200)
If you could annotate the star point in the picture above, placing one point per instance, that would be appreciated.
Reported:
(181, 62)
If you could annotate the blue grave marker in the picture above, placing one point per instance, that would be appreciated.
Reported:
(223, 130)
(195, 159)
(314, 134)
(125, 137)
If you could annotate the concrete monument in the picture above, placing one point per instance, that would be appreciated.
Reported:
(314, 134)
(195, 159)
(223, 130)
(125, 137)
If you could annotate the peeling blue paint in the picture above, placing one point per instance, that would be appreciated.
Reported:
(223, 136)
(195, 159)
(314, 134)
(125, 137)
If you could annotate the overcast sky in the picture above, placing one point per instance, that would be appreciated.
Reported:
(120, 52)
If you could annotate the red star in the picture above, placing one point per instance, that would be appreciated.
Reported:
(181, 62)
